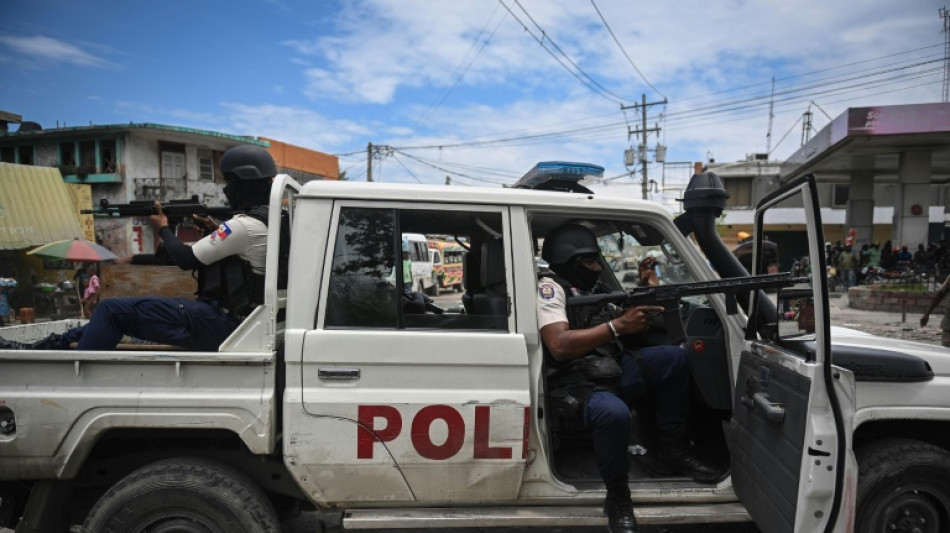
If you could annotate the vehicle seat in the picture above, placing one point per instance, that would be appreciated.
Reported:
(471, 280)
(493, 300)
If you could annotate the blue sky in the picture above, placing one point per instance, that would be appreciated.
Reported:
(478, 90)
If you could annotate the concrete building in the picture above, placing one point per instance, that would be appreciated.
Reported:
(126, 162)
(867, 161)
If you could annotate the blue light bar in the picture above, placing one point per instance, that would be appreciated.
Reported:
(559, 176)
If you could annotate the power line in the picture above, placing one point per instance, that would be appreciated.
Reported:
(405, 167)
(632, 64)
(799, 93)
(445, 93)
(805, 74)
(577, 72)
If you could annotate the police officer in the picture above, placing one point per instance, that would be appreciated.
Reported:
(603, 379)
(230, 265)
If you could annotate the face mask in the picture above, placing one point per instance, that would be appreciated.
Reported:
(585, 278)
(231, 193)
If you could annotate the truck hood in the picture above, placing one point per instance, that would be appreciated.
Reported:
(859, 348)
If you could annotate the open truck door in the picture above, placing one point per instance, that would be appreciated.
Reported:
(791, 461)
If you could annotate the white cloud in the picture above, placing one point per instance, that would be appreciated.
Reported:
(301, 127)
(45, 48)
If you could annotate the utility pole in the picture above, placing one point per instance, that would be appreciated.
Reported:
(369, 161)
(806, 127)
(945, 15)
(642, 152)
(768, 136)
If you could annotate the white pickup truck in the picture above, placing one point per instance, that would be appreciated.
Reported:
(340, 393)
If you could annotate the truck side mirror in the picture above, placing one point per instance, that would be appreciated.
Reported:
(796, 312)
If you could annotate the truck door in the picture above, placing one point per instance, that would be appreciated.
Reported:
(789, 435)
(405, 401)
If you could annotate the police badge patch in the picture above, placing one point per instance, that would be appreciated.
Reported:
(546, 290)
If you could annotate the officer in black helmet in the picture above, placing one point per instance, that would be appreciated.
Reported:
(599, 379)
(230, 265)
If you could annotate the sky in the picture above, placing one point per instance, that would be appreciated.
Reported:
(474, 92)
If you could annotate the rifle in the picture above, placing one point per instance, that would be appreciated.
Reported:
(174, 209)
(668, 296)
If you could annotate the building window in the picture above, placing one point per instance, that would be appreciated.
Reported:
(89, 156)
(67, 154)
(107, 156)
(840, 194)
(24, 155)
(740, 192)
(205, 165)
(8, 154)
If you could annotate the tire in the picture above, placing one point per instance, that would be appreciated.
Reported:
(903, 485)
(184, 494)
(434, 289)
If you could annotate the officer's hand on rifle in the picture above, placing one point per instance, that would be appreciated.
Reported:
(207, 223)
(158, 220)
(636, 319)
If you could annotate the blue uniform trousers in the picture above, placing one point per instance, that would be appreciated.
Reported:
(194, 324)
(608, 415)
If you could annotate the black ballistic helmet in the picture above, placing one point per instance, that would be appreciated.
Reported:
(247, 163)
(567, 241)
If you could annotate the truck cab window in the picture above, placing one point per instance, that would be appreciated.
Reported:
(418, 269)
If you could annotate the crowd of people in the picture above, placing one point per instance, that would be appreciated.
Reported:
(872, 261)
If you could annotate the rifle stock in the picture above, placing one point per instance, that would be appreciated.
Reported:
(669, 297)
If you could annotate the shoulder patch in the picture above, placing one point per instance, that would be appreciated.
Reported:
(222, 232)
(546, 291)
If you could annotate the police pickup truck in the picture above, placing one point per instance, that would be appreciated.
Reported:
(340, 393)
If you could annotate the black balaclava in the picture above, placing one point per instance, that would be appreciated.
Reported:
(577, 274)
(243, 195)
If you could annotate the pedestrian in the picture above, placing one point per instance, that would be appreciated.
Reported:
(90, 296)
(229, 263)
(847, 262)
(945, 321)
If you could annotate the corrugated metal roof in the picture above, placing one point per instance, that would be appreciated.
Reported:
(94, 129)
(34, 207)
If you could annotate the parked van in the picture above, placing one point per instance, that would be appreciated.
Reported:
(423, 279)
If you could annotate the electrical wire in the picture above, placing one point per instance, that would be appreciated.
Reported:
(405, 167)
(806, 91)
(445, 93)
(632, 64)
(577, 72)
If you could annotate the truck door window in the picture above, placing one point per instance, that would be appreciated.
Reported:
(370, 288)
(363, 257)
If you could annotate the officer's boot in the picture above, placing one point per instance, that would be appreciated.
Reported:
(619, 508)
(675, 456)
(14, 345)
(50, 342)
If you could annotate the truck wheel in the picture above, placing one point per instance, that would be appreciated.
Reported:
(183, 495)
(903, 485)
(434, 288)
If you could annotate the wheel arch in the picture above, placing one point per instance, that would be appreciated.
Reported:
(936, 432)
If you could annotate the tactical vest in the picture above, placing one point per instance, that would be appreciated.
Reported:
(571, 383)
(231, 281)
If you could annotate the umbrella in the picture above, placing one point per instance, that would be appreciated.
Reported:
(79, 250)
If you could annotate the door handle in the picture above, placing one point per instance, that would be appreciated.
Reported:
(774, 412)
(338, 374)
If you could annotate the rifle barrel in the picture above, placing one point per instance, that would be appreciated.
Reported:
(661, 293)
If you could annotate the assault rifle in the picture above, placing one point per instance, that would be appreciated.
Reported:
(175, 210)
(583, 308)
